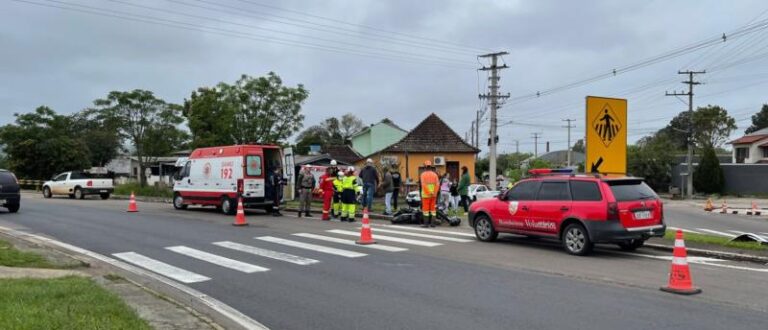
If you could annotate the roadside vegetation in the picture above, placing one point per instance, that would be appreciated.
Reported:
(717, 240)
(70, 302)
(146, 191)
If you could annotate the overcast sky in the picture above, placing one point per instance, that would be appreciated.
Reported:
(396, 59)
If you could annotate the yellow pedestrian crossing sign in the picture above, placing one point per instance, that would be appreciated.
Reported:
(606, 127)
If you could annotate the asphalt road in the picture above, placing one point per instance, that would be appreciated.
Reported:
(514, 283)
(685, 216)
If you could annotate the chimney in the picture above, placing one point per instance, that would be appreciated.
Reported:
(547, 146)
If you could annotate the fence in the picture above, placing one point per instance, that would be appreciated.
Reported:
(740, 179)
(31, 184)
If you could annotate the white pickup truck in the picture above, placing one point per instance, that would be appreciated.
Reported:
(78, 185)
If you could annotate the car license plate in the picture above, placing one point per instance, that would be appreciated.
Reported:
(642, 215)
(103, 191)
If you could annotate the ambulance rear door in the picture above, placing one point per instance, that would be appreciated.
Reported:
(253, 178)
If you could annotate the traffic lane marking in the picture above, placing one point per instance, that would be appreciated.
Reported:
(161, 268)
(312, 247)
(429, 230)
(217, 260)
(442, 238)
(716, 232)
(290, 258)
(351, 242)
(684, 230)
(388, 238)
(699, 260)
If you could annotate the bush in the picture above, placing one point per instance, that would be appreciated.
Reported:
(708, 177)
(148, 191)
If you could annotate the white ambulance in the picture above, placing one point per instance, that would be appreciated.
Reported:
(216, 176)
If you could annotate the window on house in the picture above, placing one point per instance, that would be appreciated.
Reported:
(741, 155)
(765, 152)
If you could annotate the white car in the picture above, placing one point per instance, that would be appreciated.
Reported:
(78, 185)
(480, 191)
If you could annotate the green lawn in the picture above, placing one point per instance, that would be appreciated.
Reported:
(148, 191)
(716, 240)
(10, 257)
(64, 303)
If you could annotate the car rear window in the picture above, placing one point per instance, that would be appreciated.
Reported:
(554, 191)
(585, 191)
(631, 190)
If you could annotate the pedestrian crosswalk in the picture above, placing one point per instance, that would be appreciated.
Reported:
(250, 257)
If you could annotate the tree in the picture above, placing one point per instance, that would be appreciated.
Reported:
(578, 146)
(708, 176)
(711, 127)
(40, 144)
(759, 120)
(252, 110)
(331, 131)
(99, 133)
(652, 158)
(147, 122)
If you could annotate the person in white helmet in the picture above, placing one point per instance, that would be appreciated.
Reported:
(350, 188)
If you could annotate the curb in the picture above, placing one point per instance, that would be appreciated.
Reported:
(712, 253)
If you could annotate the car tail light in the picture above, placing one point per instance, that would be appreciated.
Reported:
(89, 183)
(613, 211)
(240, 186)
(661, 209)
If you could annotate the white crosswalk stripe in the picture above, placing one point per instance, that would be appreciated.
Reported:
(437, 231)
(312, 247)
(440, 238)
(716, 232)
(217, 260)
(387, 238)
(351, 242)
(684, 230)
(267, 253)
(737, 232)
(161, 268)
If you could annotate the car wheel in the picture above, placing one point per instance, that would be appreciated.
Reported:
(79, 193)
(227, 206)
(484, 229)
(104, 196)
(13, 208)
(576, 240)
(47, 192)
(178, 202)
(631, 245)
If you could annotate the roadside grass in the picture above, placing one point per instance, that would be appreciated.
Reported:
(70, 302)
(11, 257)
(148, 191)
(716, 240)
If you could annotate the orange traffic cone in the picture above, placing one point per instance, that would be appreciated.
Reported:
(680, 276)
(708, 207)
(132, 204)
(724, 207)
(366, 237)
(240, 216)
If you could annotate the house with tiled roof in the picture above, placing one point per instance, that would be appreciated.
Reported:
(751, 148)
(431, 140)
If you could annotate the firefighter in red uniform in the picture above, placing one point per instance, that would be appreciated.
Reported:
(326, 189)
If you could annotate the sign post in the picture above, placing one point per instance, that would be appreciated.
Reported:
(606, 127)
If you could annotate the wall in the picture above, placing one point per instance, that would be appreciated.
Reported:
(377, 137)
(415, 160)
(740, 179)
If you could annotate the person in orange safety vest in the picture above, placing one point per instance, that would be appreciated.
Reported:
(430, 189)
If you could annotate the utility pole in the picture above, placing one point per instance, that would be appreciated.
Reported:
(477, 129)
(493, 97)
(569, 126)
(536, 137)
(517, 146)
(690, 83)
(472, 134)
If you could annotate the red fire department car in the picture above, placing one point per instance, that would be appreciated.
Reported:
(218, 175)
(579, 210)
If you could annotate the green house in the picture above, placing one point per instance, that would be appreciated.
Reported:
(377, 137)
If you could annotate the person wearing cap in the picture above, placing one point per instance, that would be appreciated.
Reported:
(306, 185)
(370, 181)
(430, 190)
(350, 189)
(326, 190)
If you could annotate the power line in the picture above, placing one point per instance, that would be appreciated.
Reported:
(690, 82)
(494, 99)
